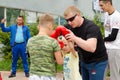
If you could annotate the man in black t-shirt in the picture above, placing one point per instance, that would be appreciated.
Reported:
(90, 43)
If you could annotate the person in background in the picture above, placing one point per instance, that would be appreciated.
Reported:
(89, 40)
(112, 37)
(18, 40)
(44, 51)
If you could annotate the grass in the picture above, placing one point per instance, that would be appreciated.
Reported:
(5, 65)
(59, 68)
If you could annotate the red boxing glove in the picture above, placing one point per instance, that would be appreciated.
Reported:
(62, 30)
(54, 35)
(65, 31)
(57, 32)
(61, 43)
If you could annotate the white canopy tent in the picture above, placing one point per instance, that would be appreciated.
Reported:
(55, 7)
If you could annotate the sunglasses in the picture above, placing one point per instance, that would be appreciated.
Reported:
(71, 19)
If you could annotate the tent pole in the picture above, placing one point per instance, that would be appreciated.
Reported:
(5, 15)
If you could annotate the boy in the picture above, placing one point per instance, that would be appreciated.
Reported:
(44, 50)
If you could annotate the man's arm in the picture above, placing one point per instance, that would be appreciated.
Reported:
(88, 45)
(28, 34)
(4, 29)
(112, 36)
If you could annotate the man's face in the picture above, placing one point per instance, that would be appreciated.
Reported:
(19, 21)
(104, 6)
(72, 20)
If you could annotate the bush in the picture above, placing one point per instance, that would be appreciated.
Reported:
(97, 21)
(5, 65)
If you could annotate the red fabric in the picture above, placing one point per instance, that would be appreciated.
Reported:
(60, 30)
(61, 43)
(0, 77)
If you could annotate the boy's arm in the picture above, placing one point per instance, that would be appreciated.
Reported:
(59, 57)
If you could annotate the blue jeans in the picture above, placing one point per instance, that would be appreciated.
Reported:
(19, 49)
(93, 71)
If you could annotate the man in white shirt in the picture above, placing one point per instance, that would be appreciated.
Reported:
(112, 37)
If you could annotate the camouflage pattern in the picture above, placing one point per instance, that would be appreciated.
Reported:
(41, 49)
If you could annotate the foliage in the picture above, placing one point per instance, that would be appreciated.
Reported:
(6, 49)
(33, 29)
(59, 68)
(108, 73)
(12, 14)
(5, 65)
(1, 12)
(97, 21)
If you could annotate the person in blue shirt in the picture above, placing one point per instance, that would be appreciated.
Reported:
(18, 40)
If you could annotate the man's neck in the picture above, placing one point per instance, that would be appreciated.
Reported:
(81, 21)
(111, 11)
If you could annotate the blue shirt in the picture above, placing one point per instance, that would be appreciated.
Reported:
(19, 35)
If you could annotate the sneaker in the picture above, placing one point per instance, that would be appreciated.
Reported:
(27, 74)
(12, 75)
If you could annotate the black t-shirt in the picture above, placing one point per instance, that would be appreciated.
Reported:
(89, 30)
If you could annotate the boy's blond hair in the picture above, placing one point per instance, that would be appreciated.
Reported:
(46, 19)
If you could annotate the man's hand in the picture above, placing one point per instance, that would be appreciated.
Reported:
(3, 20)
(70, 36)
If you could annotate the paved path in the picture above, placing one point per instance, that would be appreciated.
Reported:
(21, 76)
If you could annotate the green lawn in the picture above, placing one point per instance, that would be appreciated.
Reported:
(5, 65)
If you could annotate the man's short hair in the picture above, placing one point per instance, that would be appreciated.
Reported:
(20, 16)
(71, 9)
(105, 1)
